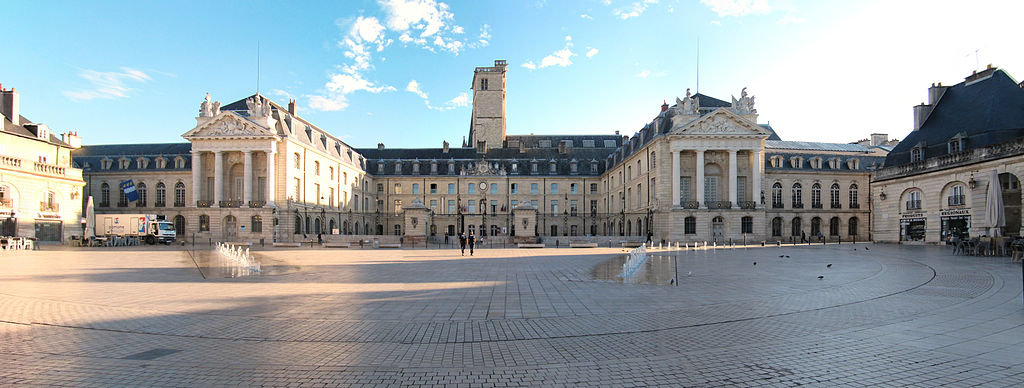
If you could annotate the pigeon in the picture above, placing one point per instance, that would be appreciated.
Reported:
(867, 249)
(787, 256)
(672, 281)
(828, 266)
(820, 277)
(755, 263)
(689, 273)
(782, 255)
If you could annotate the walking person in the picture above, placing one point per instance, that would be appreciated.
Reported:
(803, 236)
(472, 243)
(462, 243)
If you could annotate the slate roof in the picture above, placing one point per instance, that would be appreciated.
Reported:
(95, 153)
(23, 130)
(988, 111)
(866, 164)
(815, 146)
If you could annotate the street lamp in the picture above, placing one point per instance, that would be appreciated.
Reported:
(483, 226)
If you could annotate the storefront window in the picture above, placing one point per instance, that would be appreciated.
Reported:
(912, 229)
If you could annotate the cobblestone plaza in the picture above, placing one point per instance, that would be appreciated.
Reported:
(881, 315)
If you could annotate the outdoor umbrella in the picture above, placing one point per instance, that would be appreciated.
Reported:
(90, 219)
(995, 218)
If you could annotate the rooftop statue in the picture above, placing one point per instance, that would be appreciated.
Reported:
(745, 105)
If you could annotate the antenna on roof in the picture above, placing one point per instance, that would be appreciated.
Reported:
(698, 64)
(257, 67)
(977, 65)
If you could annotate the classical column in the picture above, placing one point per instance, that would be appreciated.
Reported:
(218, 177)
(197, 178)
(246, 178)
(271, 168)
(700, 177)
(756, 168)
(675, 178)
(732, 177)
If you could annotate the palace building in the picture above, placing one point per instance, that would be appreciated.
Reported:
(40, 191)
(967, 140)
(702, 169)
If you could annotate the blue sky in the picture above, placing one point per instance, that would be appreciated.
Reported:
(399, 71)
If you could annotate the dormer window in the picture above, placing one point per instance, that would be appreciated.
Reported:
(553, 166)
(515, 166)
(796, 162)
(323, 140)
(956, 144)
(833, 163)
(380, 167)
(451, 166)
(853, 164)
(533, 166)
(573, 166)
(815, 162)
(123, 163)
(309, 134)
(161, 162)
(179, 162)
(105, 164)
(398, 167)
(416, 167)
(142, 163)
(593, 166)
(433, 166)
(915, 154)
(337, 148)
(776, 161)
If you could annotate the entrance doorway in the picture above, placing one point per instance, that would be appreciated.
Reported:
(1011, 203)
(717, 227)
(230, 228)
(49, 230)
(9, 227)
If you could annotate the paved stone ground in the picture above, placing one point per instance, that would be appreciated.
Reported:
(888, 316)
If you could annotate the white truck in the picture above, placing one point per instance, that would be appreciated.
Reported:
(144, 226)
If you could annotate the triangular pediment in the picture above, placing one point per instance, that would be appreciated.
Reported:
(719, 122)
(229, 125)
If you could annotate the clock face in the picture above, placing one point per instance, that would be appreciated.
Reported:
(483, 186)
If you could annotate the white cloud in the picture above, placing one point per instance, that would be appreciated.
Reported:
(591, 52)
(282, 93)
(427, 17)
(585, 16)
(561, 57)
(738, 8)
(789, 18)
(414, 87)
(643, 74)
(107, 85)
(634, 10)
(328, 104)
(348, 83)
(462, 100)
(368, 29)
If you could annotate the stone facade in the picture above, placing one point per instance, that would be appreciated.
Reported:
(40, 191)
(696, 172)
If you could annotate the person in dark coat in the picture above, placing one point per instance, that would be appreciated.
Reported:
(472, 243)
(803, 236)
(462, 243)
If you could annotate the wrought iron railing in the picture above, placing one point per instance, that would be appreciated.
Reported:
(955, 200)
(816, 205)
(748, 205)
(691, 205)
(836, 205)
(159, 204)
(719, 204)
(229, 203)
(179, 204)
(798, 205)
(777, 205)
(854, 205)
(49, 207)
(914, 204)
(203, 203)
(257, 204)
(122, 204)
(7, 202)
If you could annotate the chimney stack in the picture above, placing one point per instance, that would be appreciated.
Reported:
(444, 146)
(10, 105)
(921, 113)
(935, 92)
(380, 146)
(72, 139)
(291, 107)
(664, 105)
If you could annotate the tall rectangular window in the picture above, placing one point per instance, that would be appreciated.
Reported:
(554, 206)
(433, 188)
(514, 188)
(711, 189)
(471, 189)
(574, 188)
(471, 206)
(741, 188)
(533, 188)
(433, 205)
(684, 189)
(451, 207)
(297, 190)
(451, 188)
(554, 188)
(330, 196)
(494, 188)
(415, 188)
(398, 207)
(398, 188)
(316, 191)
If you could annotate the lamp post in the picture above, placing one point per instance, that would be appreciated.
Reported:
(649, 223)
(459, 219)
(483, 226)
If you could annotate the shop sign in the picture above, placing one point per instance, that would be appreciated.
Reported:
(47, 216)
(912, 215)
(954, 212)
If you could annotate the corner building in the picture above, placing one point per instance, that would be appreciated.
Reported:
(701, 170)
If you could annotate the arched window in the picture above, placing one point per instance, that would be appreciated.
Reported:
(104, 194)
(796, 227)
(316, 226)
(308, 228)
(179, 225)
(690, 225)
(914, 200)
(298, 225)
(161, 195)
(179, 194)
(204, 223)
(815, 226)
(298, 160)
(629, 227)
(834, 196)
(747, 224)
(777, 195)
(816, 196)
(256, 224)
(639, 227)
(344, 227)
(141, 190)
(122, 198)
(798, 196)
(776, 226)
(851, 228)
(833, 226)
(854, 201)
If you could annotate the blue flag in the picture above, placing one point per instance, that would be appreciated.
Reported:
(128, 187)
